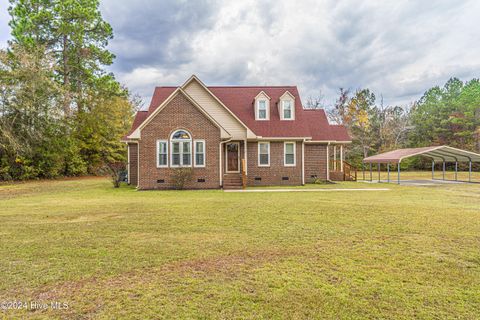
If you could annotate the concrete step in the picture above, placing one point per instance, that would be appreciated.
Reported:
(232, 187)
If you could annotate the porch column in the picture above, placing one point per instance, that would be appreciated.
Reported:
(335, 158)
(341, 157)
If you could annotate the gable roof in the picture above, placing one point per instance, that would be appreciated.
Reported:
(153, 110)
(239, 100)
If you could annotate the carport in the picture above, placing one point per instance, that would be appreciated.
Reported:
(438, 154)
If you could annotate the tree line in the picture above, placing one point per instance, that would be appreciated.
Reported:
(448, 115)
(61, 112)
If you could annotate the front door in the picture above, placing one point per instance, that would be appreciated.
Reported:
(233, 163)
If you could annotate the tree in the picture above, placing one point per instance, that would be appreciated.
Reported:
(448, 115)
(315, 102)
(31, 132)
(74, 32)
(61, 113)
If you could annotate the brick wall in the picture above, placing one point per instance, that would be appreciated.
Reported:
(315, 162)
(274, 174)
(133, 163)
(178, 114)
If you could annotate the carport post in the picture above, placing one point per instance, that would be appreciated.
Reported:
(443, 169)
(470, 171)
(433, 170)
(388, 172)
(363, 169)
(370, 172)
(398, 176)
(378, 167)
(456, 169)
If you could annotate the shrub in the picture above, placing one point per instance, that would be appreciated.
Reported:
(114, 170)
(181, 176)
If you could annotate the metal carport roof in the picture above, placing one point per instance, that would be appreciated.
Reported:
(437, 154)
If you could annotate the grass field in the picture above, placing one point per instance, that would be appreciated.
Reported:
(411, 252)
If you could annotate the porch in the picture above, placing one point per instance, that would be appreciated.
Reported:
(339, 169)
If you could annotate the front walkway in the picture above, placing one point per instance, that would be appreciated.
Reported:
(306, 190)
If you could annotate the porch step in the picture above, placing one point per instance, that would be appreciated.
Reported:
(232, 181)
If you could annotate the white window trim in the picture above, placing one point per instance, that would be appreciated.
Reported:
(181, 150)
(282, 109)
(195, 154)
(269, 152)
(267, 109)
(158, 153)
(285, 154)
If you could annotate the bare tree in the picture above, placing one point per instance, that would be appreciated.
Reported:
(316, 102)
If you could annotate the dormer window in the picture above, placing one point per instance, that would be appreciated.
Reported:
(287, 110)
(262, 110)
(286, 107)
(262, 106)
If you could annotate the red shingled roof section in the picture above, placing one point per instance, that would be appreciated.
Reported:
(317, 120)
(159, 95)
(137, 121)
(240, 100)
(339, 133)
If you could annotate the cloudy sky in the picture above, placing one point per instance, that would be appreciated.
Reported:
(398, 49)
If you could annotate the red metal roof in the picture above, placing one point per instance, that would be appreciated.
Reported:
(436, 153)
(240, 100)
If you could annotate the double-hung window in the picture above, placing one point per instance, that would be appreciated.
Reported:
(181, 149)
(262, 110)
(264, 154)
(287, 110)
(162, 153)
(199, 153)
(289, 154)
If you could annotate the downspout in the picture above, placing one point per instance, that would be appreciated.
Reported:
(128, 163)
(245, 154)
(138, 165)
(220, 159)
(303, 162)
(328, 161)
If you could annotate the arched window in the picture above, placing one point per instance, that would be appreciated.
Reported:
(181, 149)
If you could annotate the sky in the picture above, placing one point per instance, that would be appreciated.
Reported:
(398, 49)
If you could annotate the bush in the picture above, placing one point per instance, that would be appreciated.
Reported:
(114, 170)
(181, 176)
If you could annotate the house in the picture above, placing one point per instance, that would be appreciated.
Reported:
(259, 135)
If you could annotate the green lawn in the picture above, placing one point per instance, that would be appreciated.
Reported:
(411, 252)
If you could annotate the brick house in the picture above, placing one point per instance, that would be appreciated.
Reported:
(231, 135)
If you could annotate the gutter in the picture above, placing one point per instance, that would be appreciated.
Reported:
(328, 162)
(303, 162)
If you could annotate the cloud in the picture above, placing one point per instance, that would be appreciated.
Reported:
(398, 49)
(4, 28)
